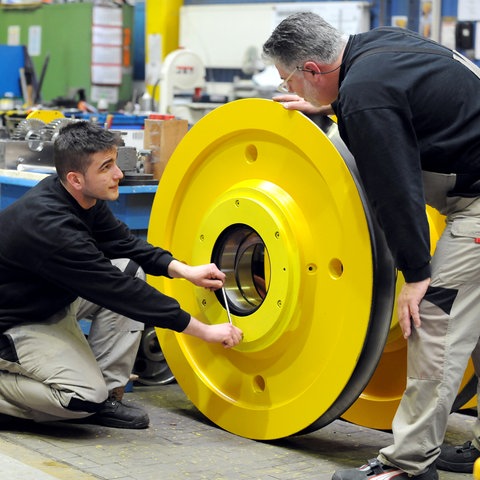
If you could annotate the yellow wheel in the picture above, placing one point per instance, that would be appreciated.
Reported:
(266, 195)
(376, 406)
(467, 397)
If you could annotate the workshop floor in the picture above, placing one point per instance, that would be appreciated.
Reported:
(182, 444)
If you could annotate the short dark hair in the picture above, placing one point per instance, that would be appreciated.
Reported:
(75, 144)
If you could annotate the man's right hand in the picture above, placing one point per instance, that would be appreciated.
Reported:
(294, 102)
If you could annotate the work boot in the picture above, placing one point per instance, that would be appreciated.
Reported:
(116, 414)
(458, 458)
(8, 421)
(375, 470)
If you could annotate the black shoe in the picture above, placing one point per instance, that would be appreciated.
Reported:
(376, 470)
(5, 418)
(458, 458)
(116, 414)
(8, 421)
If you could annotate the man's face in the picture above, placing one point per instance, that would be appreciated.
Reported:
(314, 87)
(290, 80)
(102, 177)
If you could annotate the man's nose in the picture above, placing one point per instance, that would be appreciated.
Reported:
(118, 172)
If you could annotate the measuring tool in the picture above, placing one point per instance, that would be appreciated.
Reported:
(226, 306)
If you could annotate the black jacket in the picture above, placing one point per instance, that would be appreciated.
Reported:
(401, 111)
(53, 251)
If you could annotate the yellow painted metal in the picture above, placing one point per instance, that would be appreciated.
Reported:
(376, 406)
(253, 163)
(45, 116)
(162, 23)
(469, 375)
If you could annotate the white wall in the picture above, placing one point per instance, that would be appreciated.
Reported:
(222, 34)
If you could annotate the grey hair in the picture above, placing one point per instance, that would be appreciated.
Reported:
(301, 37)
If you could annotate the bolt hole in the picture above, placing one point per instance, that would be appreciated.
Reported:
(259, 384)
(336, 268)
(251, 153)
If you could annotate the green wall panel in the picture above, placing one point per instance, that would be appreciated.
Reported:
(67, 37)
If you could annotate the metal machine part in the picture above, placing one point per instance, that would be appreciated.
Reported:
(30, 149)
(26, 126)
(129, 160)
(17, 155)
(182, 70)
(241, 255)
(150, 364)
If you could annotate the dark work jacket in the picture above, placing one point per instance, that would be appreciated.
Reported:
(53, 251)
(401, 113)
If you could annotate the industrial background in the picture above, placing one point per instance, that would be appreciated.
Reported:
(316, 382)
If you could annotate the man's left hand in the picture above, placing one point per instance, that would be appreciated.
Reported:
(207, 276)
(408, 305)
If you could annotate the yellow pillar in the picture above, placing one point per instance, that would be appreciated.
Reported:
(162, 18)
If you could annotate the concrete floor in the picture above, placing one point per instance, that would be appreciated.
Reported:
(182, 444)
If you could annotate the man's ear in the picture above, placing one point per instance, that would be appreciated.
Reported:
(75, 179)
(312, 67)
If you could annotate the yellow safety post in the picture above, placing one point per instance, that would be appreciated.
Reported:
(162, 18)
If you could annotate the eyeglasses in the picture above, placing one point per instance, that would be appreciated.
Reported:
(283, 87)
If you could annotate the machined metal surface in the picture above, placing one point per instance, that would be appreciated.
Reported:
(150, 364)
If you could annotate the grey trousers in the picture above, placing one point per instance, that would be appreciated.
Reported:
(57, 367)
(439, 350)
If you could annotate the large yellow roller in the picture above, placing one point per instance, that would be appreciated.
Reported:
(272, 199)
(275, 202)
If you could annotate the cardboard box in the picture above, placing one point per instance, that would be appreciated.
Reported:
(162, 137)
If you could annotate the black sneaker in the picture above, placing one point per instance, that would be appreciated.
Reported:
(374, 470)
(458, 458)
(118, 415)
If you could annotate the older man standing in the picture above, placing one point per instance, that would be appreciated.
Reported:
(409, 111)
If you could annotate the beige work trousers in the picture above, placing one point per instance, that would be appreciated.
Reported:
(439, 350)
(56, 363)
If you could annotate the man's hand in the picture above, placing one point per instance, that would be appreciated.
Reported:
(294, 102)
(225, 333)
(208, 276)
(408, 305)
